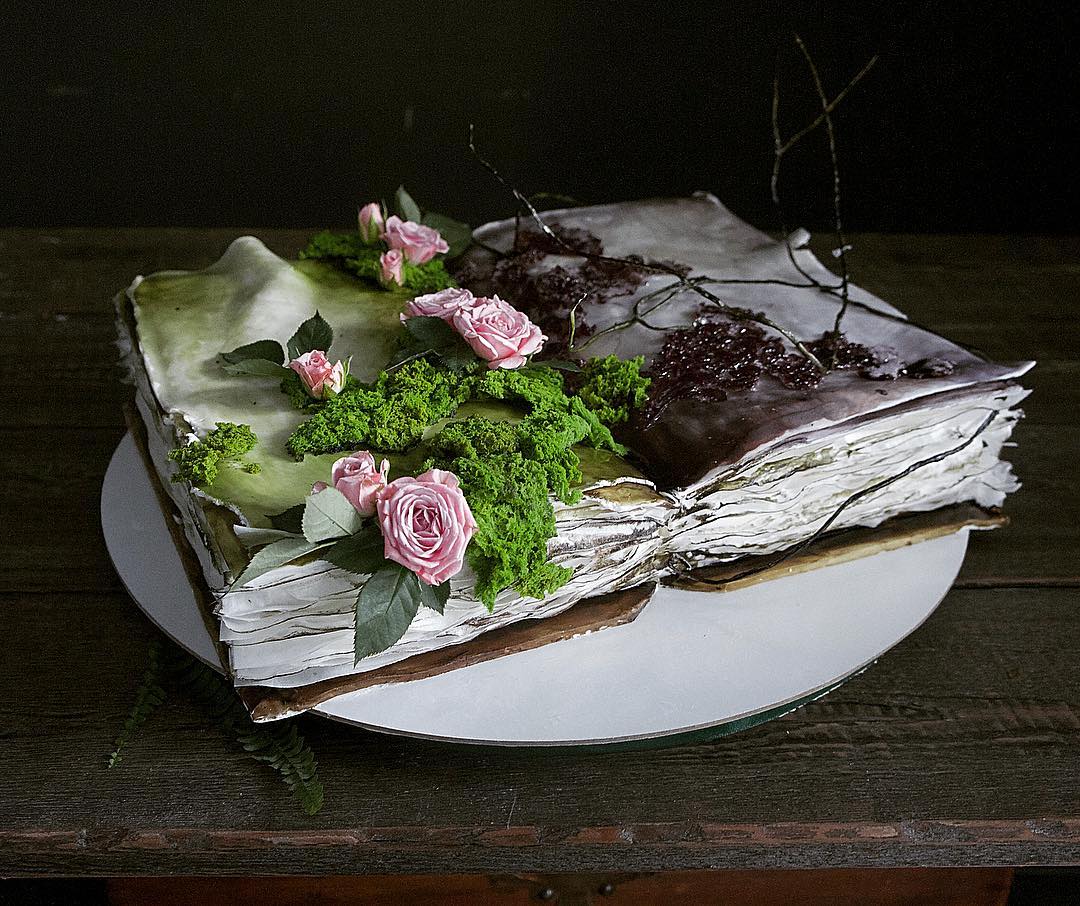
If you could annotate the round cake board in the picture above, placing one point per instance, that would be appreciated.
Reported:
(692, 666)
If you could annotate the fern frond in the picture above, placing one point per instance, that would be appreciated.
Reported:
(207, 687)
(148, 697)
(281, 746)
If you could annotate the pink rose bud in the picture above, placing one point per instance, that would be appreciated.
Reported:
(318, 376)
(391, 263)
(419, 243)
(371, 223)
(442, 304)
(498, 332)
(426, 524)
(357, 478)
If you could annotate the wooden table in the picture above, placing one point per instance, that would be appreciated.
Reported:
(960, 748)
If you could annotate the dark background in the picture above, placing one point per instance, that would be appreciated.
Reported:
(275, 114)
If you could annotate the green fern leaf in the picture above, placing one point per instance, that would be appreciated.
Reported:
(148, 697)
(282, 747)
(278, 744)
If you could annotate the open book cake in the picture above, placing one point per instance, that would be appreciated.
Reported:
(408, 450)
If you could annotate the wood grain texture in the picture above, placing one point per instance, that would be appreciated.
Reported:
(960, 747)
(836, 887)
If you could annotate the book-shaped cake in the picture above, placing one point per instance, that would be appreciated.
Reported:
(381, 468)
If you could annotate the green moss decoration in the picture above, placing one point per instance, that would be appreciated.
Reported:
(230, 440)
(614, 387)
(508, 496)
(389, 415)
(348, 251)
(200, 461)
(507, 475)
(293, 388)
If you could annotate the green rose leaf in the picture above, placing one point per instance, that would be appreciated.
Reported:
(434, 596)
(561, 365)
(269, 350)
(329, 515)
(384, 609)
(274, 555)
(435, 335)
(432, 333)
(261, 367)
(291, 520)
(361, 553)
(407, 208)
(314, 333)
(458, 235)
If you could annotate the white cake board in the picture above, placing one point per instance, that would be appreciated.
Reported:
(693, 664)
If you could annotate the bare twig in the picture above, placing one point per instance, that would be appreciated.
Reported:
(839, 227)
(829, 107)
(782, 147)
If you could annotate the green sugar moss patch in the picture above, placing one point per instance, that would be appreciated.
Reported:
(199, 462)
(508, 496)
(348, 252)
(390, 414)
(614, 387)
(506, 477)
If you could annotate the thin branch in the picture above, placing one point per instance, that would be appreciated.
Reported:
(779, 151)
(781, 147)
(838, 223)
(829, 107)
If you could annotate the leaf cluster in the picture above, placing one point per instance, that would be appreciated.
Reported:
(327, 524)
(278, 744)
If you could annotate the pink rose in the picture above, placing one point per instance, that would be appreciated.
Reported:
(498, 332)
(391, 263)
(419, 243)
(318, 376)
(371, 223)
(426, 524)
(442, 304)
(357, 478)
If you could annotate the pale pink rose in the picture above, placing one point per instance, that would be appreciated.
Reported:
(371, 223)
(391, 263)
(317, 374)
(442, 304)
(419, 243)
(426, 524)
(498, 332)
(359, 480)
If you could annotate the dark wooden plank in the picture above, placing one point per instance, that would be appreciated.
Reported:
(958, 748)
(850, 887)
